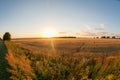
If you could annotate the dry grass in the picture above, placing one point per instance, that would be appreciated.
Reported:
(66, 59)
(71, 46)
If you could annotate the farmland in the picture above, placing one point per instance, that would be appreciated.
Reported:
(64, 59)
(71, 46)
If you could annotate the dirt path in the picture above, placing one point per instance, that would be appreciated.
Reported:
(3, 63)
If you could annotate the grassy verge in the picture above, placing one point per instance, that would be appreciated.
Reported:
(32, 66)
(4, 75)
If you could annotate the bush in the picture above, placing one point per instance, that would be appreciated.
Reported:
(113, 37)
(108, 37)
(0, 39)
(7, 36)
(103, 37)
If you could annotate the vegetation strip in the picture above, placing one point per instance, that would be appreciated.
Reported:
(4, 75)
(36, 66)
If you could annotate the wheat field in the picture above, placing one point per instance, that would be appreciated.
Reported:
(64, 59)
(71, 46)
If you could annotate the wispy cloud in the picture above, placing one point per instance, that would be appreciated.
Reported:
(103, 25)
(90, 31)
(62, 32)
(95, 30)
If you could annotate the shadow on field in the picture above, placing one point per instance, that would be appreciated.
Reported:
(4, 75)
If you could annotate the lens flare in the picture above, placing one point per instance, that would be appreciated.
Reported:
(49, 33)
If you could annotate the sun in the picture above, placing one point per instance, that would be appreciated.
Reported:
(49, 33)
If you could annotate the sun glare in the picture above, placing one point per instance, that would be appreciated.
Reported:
(49, 33)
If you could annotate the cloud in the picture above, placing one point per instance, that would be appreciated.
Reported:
(88, 31)
(101, 28)
(62, 32)
(95, 30)
(89, 28)
(103, 25)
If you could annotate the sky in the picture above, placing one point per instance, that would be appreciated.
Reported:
(30, 18)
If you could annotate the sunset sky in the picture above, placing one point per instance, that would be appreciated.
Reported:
(31, 18)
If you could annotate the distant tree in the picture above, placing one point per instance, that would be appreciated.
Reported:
(103, 37)
(97, 37)
(0, 38)
(108, 37)
(113, 37)
(7, 36)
